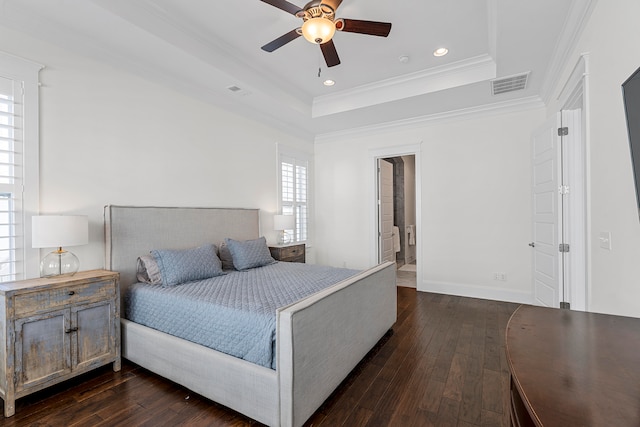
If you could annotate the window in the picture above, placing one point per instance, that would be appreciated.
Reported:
(294, 193)
(10, 182)
(18, 166)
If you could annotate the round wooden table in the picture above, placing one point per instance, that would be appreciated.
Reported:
(571, 368)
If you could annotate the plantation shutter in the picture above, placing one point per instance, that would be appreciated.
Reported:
(294, 188)
(11, 180)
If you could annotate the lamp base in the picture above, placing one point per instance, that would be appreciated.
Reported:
(285, 238)
(59, 262)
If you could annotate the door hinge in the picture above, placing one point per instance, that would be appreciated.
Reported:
(563, 131)
(563, 247)
(563, 189)
(15, 378)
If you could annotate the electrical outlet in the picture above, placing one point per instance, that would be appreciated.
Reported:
(502, 277)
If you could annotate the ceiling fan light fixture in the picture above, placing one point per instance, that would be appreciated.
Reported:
(318, 30)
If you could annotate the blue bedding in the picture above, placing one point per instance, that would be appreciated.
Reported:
(234, 313)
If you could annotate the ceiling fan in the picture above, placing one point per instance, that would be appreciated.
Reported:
(320, 24)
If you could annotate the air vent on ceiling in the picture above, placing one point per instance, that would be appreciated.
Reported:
(509, 84)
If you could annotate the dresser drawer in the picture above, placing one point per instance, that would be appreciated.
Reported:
(291, 252)
(50, 299)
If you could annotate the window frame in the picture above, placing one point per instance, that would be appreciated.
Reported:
(285, 153)
(26, 74)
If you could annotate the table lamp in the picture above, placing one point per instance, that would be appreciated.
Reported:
(282, 223)
(49, 231)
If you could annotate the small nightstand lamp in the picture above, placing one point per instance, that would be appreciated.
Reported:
(282, 223)
(51, 231)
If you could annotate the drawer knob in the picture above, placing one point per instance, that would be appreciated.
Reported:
(71, 293)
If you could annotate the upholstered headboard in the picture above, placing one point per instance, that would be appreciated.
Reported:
(131, 231)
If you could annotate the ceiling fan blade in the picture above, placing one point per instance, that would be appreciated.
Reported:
(333, 3)
(371, 28)
(281, 41)
(284, 5)
(330, 53)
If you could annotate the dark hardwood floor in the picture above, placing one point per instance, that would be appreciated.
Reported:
(443, 365)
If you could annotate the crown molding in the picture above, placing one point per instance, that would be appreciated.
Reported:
(574, 26)
(460, 73)
(511, 106)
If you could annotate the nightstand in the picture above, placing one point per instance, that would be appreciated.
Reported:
(288, 253)
(56, 328)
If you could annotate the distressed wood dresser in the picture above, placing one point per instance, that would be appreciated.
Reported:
(56, 328)
(289, 253)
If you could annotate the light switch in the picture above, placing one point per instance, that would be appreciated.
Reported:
(605, 240)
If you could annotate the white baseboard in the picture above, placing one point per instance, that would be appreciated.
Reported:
(476, 291)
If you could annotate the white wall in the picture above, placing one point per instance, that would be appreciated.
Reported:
(475, 195)
(108, 137)
(611, 38)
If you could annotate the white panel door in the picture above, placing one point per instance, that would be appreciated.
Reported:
(385, 211)
(547, 224)
(574, 221)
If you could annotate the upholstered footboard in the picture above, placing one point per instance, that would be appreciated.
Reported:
(322, 338)
(319, 340)
(246, 387)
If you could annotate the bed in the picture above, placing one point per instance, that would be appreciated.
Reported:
(319, 339)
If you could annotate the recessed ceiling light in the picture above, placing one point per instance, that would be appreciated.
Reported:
(328, 82)
(441, 51)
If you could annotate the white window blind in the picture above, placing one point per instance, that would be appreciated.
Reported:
(11, 182)
(294, 192)
(19, 166)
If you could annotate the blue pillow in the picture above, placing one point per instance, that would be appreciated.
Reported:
(184, 265)
(250, 253)
(225, 256)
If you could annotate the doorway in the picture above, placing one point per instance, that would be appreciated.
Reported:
(560, 188)
(396, 198)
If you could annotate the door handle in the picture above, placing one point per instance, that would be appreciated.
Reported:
(532, 244)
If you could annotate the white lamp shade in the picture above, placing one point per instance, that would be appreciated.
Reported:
(49, 231)
(283, 222)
